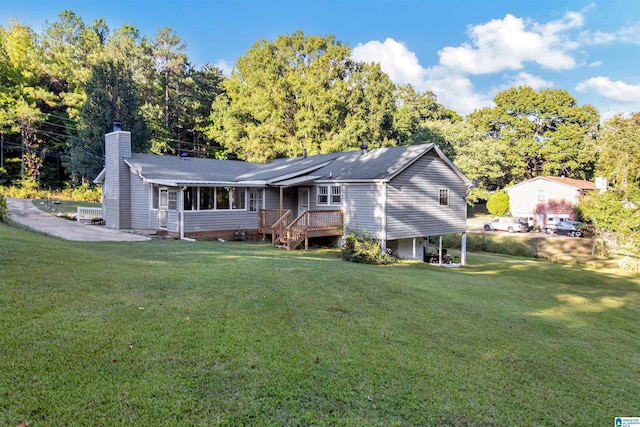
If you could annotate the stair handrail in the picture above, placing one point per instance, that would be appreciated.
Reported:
(295, 231)
(280, 226)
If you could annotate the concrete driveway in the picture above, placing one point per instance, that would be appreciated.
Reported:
(23, 212)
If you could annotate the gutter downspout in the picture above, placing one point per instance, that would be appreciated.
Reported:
(181, 213)
(384, 218)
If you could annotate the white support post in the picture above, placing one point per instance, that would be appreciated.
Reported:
(463, 249)
(414, 248)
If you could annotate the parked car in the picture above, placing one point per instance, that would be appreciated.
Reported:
(509, 224)
(568, 228)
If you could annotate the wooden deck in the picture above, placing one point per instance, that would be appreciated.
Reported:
(289, 233)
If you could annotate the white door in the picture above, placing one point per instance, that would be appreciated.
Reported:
(163, 208)
(303, 199)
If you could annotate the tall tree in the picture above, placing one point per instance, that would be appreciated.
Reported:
(546, 132)
(618, 145)
(197, 91)
(112, 95)
(69, 49)
(414, 111)
(472, 151)
(168, 50)
(302, 92)
(23, 100)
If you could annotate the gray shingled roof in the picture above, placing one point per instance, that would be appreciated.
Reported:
(378, 164)
(177, 170)
(373, 165)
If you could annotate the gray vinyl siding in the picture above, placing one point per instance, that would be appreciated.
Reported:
(413, 208)
(116, 191)
(220, 220)
(289, 198)
(140, 203)
(172, 221)
(363, 208)
(272, 198)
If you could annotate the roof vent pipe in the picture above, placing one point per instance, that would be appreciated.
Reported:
(304, 153)
(364, 147)
(117, 126)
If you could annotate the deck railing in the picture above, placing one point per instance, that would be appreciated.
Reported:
(289, 233)
(267, 218)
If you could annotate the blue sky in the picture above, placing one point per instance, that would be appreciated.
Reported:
(463, 50)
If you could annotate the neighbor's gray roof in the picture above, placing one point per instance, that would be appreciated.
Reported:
(381, 164)
(579, 184)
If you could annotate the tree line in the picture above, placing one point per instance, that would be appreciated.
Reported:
(61, 89)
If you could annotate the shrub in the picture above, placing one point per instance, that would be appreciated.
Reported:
(362, 248)
(86, 193)
(498, 203)
(28, 189)
(3, 207)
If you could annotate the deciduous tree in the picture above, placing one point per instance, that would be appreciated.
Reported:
(302, 92)
(546, 133)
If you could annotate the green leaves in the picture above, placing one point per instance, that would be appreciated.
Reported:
(302, 92)
(544, 132)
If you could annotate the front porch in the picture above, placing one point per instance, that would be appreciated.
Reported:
(289, 233)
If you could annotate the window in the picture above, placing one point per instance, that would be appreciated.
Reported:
(190, 198)
(222, 198)
(541, 196)
(323, 194)
(214, 198)
(155, 196)
(172, 196)
(207, 198)
(238, 196)
(444, 197)
(336, 194)
(255, 199)
(329, 195)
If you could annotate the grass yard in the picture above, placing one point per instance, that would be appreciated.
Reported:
(177, 333)
(65, 207)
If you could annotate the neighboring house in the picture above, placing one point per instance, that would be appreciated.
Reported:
(546, 200)
(399, 195)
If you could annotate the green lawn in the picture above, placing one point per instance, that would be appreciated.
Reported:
(65, 207)
(177, 333)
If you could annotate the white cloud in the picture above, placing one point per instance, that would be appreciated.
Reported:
(453, 89)
(614, 90)
(596, 37)
(396, 60)
(504, 44)
(630, 34)
(507, 44)
(224, 67)
(527, 79)
(456, 91)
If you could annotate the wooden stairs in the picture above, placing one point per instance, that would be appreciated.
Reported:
(288, 233)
